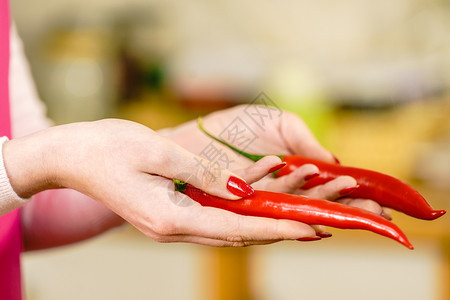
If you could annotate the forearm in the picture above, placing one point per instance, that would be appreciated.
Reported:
(58, 157)
(53, 217)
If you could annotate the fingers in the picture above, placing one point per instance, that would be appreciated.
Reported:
(369, 205)
(293, 181)
(285, 184)
(222, 243)
(168, 216)
(366, 204)
(233, 229)
(387, 213)
(178, 163)
(342, 186)
(214, 242)
(332, 190)
(319, 228)
(300, 139)
(260, 169)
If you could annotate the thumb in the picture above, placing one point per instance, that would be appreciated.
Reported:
(204, 174)
(301, 140)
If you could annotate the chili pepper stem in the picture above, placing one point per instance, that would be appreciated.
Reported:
(180, 186)
(253, 157)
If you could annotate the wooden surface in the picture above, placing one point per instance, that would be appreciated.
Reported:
(227, 274)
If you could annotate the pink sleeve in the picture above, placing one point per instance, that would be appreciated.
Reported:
(9, 200)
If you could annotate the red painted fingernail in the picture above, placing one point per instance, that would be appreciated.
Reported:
(309, 239)
(277, 167)
(348, 191)
(324, 234)
(311, 176)
(336, 160)
(239, 187)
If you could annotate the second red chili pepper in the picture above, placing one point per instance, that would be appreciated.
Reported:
(384, 189)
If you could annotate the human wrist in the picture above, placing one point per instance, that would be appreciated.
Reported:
(8, 197)
(26, 161)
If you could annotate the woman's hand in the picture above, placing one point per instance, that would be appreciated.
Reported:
(128, 168)
(264, 130)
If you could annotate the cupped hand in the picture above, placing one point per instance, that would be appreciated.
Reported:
(264, 130)
(129, 168)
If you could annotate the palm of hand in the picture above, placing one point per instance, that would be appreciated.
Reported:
(266, 132)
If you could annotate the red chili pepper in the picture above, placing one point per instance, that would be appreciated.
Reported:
(302, 209)
(383, 189)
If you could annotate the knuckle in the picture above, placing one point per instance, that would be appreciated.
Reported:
(284, 230)
(345, 179)
(308, 169)
(241, 244)
(235, 236)
(164, 228)
(206, 174)
(372, 206)
(237, 241)
(323, 191)
(278, 230)
(291, 182)
(160, 239)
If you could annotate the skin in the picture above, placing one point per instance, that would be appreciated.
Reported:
(116, 171)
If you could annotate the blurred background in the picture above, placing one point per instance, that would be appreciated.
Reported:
(371, 79)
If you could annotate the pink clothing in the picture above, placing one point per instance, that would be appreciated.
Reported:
(4, 68)
(10, 229)
(10, 248)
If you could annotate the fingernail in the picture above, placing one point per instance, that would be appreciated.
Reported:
(348, 191)
(239, 187)
(336, 160)
(311, 176)
(309, 239)
(324, 234)
(277, 167)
